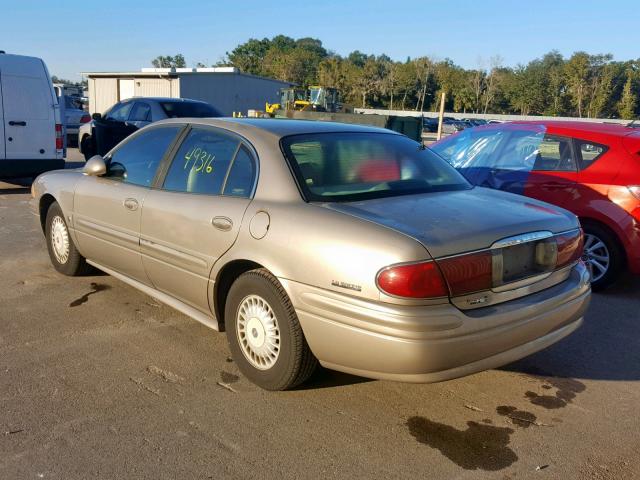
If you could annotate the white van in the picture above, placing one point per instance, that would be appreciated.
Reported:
(31, 134)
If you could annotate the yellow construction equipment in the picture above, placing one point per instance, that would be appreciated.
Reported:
(315, 98)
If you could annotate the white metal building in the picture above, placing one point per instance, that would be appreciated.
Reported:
(226, 88)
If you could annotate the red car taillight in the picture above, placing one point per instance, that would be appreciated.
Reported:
(468, 273)
(635, 191)
(472, 272)
(86, 118)
(414, 280)
(59, 142)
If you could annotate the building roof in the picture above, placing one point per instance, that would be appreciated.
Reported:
(177, 72)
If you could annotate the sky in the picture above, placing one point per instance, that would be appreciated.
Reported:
(74, 37)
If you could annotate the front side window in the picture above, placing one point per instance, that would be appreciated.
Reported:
(353, 166)
(202, 162)
(120, 113)
(137, 160)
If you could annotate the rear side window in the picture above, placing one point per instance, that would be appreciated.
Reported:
(137, 160)
(141, 112)
(241, 175)
(589, 152)
(202, 162)
(555, 154)
(189, 109)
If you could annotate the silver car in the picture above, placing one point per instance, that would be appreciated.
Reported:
(310, 242)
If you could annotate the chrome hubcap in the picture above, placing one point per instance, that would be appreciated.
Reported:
(258, 333)
(60, 239)
(596, 256)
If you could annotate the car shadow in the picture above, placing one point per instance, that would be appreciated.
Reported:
(15, 186)
(325, 378)
(14, 191)
(606, 347)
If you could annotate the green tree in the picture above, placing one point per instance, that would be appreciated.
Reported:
(168, 61)
(629, 100)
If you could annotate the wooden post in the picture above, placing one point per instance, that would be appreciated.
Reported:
(441, 116)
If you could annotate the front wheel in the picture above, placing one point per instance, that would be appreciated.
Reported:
(64, 255)
(603, 255)
(264, 334)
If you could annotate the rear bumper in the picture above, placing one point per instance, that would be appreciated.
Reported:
(28, 168)
(437, 342)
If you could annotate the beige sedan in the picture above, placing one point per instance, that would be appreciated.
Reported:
(311, 242)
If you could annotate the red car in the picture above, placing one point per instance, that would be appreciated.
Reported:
(591, 169)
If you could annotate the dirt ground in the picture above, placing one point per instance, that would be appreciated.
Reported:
(98, 380)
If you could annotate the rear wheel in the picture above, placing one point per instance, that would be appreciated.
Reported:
(264, 334)
(62, 251)
(603, 255)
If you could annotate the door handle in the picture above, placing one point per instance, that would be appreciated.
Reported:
(554, 186)
(222, 223)
(130, 204)
(20, 123)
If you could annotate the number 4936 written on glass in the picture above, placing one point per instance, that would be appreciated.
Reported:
(202, 160)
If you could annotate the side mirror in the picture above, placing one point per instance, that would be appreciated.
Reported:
(95, 166)
(96, 116)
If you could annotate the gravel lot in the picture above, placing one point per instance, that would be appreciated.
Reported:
(100, 381)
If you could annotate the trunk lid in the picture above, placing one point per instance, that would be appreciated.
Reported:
(450, 223)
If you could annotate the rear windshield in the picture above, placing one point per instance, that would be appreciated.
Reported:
(189, 109)
(357, 166)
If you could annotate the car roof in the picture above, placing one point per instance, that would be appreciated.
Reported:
(279, 127)
(582, 126)
(163, 99)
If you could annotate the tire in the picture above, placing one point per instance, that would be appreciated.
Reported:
(260, 320)
(62, 251)
(87, 147)
(600, 244)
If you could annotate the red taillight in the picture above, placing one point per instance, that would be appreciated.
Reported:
(86, 118)
(59, 142)
(415, 280)
(570, 246)
(468, 273)
(635, 191)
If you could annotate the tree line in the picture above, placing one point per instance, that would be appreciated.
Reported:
(583, 85)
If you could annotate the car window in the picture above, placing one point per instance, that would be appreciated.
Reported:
(137, 160)
(241, 175)
(472, 148)
(555, 154)
(201, 163)
(589, 152)
(352, 166)
(189, 109)
(141, 112)
(120, 113)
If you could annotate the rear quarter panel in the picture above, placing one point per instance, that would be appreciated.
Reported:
(315, 246)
